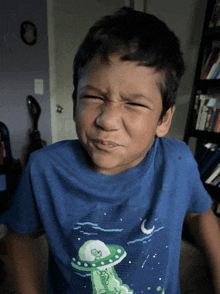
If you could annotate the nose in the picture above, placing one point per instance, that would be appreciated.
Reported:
(110, 116)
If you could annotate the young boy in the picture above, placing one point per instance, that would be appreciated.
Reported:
(112, 203)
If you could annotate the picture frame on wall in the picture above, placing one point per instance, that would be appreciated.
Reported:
(28, 31)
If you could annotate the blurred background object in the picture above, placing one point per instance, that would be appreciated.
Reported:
(10, 169)
(35, 138)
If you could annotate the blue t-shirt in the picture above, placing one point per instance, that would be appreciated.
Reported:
(109, 233)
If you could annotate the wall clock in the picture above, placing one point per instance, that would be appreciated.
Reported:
(28, 32)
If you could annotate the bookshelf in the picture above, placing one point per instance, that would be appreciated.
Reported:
(203, 120)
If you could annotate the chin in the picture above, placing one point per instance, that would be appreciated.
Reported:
(100, 165)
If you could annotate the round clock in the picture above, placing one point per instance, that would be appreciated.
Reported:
(28, 32)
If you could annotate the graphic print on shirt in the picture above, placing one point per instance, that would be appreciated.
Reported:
(99, 258)
(105, 263)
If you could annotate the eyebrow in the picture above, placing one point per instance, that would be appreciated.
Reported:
(137, 96)
(90, 87)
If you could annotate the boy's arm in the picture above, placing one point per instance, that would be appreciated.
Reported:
(23, 262)
(206, 232)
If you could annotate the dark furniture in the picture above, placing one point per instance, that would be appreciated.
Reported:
(205, 86)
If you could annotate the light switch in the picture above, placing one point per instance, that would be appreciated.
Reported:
(39, 86)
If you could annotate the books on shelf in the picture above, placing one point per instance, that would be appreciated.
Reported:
(207, 113)
(211, 67)
(208, 159)
(213, 176)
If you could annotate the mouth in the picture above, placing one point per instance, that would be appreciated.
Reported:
(105, 144)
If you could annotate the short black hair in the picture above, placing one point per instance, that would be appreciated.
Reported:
(141, 37)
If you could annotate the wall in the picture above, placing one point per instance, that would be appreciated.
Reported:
(20, 64)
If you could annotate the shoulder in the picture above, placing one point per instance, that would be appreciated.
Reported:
(172, 144)
(56, 152)
(57, 147)
(175, 151)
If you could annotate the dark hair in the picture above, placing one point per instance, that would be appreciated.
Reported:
(141, 37)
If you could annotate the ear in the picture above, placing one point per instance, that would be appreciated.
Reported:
(74, 105)
(164, 126)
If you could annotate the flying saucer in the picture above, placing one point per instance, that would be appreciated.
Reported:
(95, 254)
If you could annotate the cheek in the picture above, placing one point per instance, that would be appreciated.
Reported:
(142, 127)
(138, 122)
(80, 111)
(85, 116)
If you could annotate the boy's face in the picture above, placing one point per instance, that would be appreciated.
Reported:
(117, 113)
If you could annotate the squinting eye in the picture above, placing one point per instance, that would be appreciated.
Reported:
(91, 97)
(136, 104)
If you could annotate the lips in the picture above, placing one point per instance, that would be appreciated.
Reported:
(106, 143)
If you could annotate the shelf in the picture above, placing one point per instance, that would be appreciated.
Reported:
(206, 87)
(207, 136)
(207, 84)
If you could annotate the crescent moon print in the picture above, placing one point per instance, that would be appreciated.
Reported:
(145, 231)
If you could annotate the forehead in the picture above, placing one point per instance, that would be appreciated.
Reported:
(98, 71)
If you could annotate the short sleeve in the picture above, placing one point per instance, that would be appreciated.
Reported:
(22, 215)
(200, 201)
